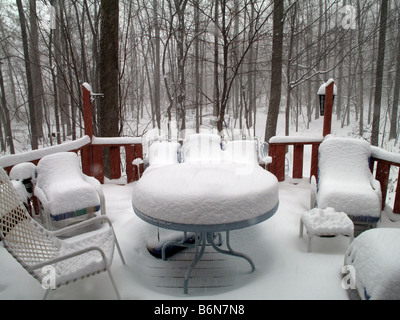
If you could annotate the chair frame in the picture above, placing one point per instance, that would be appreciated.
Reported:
(33, 246)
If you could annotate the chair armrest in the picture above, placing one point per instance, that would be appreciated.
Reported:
(82, 224)
(68, 256)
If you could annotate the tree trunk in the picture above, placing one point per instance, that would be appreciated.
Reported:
(276, 70)
(109, 74)
(396, 92)
(5, 117)
(379, 74)
(31, 100)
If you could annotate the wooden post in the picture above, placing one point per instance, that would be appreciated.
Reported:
(382, 175)
(328, 109)
(115, 159)
(87, 153)
(298, 152)
(314, 160)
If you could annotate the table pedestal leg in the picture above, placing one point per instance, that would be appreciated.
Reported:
(208, 237)
(230, 251)
(200, 240)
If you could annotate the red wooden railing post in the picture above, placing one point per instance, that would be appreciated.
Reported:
(298, 152)
(87, 153)
(328, 109)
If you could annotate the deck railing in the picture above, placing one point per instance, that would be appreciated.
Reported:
(384, 161)
(91, 151)
(277, 150)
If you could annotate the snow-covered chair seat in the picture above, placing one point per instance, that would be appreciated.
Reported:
(66, 194)
(345, 181)
(375, 256)
(38, 249)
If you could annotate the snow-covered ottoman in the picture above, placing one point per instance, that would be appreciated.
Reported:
(326, 223)
(375, 256)
(65, 193)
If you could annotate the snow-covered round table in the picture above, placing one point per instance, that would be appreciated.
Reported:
(204, 199)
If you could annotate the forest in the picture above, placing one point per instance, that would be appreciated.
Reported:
(194, 63)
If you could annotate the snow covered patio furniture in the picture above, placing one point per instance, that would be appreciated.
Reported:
(66, 195)
(375, 256)
(345, 181)
(325, 223)
(39, 250)
(205, 195)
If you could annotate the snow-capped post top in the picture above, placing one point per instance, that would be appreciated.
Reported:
(322, 89)
(326, 99)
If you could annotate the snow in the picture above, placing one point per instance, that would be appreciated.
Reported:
(61, 186)
(202, 194)
(22, 171)
(375, 255)
(294, 139)
(327, 222)
(322, 88)
(202, 148)
(10, 160)
(163, 153)
(345, 181)
(115, 140)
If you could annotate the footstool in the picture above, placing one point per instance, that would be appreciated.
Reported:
(326, 223)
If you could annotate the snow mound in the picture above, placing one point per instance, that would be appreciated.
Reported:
(375, 256)
(327, 222)
(205, 194)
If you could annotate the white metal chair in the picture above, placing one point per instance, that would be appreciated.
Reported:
(38, 249)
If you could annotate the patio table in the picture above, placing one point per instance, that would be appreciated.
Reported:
(206, 199)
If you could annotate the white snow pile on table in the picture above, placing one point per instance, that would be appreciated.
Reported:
(205, 194)
(61, 185)
(345, 181)
(375, 256)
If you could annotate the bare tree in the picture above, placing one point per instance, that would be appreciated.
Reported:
(379, 73)
(276, 71)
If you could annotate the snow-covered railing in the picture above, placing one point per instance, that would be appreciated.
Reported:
(8, 161)
(385, 160)
(91, 151)
(277, 150)
(133, 150)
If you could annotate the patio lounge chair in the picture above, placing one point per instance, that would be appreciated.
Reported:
(375, 256)
(345, 181)
(38, 249)
(66, 195)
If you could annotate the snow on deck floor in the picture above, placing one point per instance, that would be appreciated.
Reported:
(284, 268)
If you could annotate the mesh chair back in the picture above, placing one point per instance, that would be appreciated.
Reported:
(27, 241)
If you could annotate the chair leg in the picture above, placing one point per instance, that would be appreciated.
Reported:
(309, 243)
(301, 228)
(46, 294)
(113, 283)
